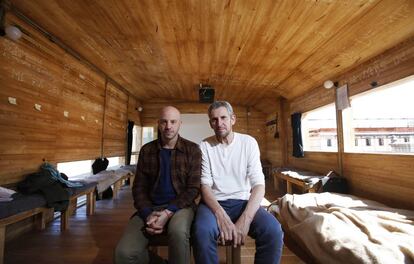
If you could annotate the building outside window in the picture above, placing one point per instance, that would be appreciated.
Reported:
(319, 129)
(386, 113)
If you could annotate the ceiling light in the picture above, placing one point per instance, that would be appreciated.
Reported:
(328, 84)
(13, 32)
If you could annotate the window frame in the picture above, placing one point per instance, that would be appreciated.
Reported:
(323, 141)
(385, 141)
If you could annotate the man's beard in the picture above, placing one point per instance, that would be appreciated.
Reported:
(169, 134)
(222, 133)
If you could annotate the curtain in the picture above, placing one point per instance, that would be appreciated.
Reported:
(297, 135)
(129, 142)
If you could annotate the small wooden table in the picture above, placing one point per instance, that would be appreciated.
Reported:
(307, 181)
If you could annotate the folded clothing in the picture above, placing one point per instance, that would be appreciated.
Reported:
(6, 194)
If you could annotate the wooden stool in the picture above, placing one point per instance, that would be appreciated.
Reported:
(233, 255)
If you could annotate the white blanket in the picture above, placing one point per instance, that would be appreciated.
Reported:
(104, 178)
(338, 228)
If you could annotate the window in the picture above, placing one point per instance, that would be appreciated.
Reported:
(75, 169)
(356, 142)
(319, 129)
(115, 162)
(386, 113)
(136, 143)
(147, 135)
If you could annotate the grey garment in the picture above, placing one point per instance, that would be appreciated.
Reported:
(133, 246)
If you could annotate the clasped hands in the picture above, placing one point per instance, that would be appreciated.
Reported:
(156, 221)
(232, 232)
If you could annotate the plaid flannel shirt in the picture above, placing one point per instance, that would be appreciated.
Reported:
(185, 175)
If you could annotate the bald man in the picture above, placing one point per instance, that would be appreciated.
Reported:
(166, 185)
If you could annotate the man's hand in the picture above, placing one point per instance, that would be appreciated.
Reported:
(242, 227)
(152, 218)
(163, 218)
(226, 227)
(157, 220)
(152, 228)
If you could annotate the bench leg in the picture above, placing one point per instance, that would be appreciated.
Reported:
(2, 242)
(229, 255)
(131, 181)
(40, 219)
(236, 255)
(117, 186)
(289, 187)
(64, 220)
(90, 203)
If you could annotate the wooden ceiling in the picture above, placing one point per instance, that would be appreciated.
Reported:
(249, 51)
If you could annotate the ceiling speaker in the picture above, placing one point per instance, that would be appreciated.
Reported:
(206, 94)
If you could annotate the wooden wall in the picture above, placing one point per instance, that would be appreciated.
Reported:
(115, 122)
(82, 99)
(81, 116)
(248, 120)
(385, 178)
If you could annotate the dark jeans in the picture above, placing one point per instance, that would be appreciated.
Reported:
(265, 229)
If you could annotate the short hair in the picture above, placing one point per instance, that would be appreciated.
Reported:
(217, 104)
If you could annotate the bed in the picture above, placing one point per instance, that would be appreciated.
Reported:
(338, 228)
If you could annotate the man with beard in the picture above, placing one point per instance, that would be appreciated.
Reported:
(232, 187)
(166, 185)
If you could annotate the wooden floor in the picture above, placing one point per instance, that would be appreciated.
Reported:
(92, 239)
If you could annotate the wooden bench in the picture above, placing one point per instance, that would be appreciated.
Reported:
(307, 181)
(38, 212)
(118, 184)
(107, 178)
(35, 205)
(89, 191)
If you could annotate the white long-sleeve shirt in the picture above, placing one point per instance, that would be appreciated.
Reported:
(231, 170)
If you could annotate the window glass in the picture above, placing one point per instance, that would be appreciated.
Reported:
(147, 135)
(383, 118)
(136, 139)
(115, 162)
(319, 129)
(75, 168)
(134, 159)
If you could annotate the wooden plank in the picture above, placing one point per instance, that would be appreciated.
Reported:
(385, 178)
(114, 136)
(238, 47)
